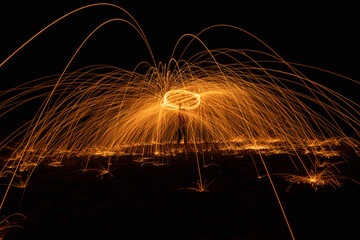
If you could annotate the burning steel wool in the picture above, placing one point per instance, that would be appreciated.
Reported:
(246, 102)
(174, 99)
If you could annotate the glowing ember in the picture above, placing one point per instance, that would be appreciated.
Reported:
(174, 99)
(324, 174)
(107, 111)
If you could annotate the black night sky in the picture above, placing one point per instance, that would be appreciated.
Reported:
(324, 36)
(306, 32)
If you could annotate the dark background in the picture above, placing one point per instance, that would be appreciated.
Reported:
(310, 33)
(320, 35)
(324, 36)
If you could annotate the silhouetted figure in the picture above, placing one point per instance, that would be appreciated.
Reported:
(182, 121)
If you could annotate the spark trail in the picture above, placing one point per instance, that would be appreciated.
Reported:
(231, 98)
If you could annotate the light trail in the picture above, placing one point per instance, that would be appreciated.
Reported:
(232, 100)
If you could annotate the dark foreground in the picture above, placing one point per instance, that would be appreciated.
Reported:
(148, 202)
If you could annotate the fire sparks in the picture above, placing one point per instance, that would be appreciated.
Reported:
(105, 111)
(180, 98)
(325, 174)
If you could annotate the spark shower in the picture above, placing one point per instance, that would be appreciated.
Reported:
(232, 99)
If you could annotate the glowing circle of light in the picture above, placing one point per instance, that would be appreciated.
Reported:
(173, 99)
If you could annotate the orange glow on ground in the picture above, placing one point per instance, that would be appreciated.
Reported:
(106, 111)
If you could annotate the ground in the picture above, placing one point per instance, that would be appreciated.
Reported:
(145, 201)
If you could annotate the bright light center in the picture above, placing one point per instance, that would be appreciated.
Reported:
(173, 99)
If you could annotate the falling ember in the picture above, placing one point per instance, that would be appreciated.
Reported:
(174, 99)
(324, 174)
(315, 180)
(110, 112)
